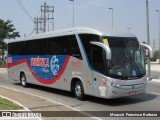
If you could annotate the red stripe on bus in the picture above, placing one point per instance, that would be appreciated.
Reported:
(36, 77)
(17, 63)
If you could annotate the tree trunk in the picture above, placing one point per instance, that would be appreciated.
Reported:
(2, 51)
(2, 42)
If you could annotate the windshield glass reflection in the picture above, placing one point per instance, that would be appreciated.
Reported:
(127, 58)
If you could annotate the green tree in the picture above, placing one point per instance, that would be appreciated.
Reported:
(7, 31)
(156, 55)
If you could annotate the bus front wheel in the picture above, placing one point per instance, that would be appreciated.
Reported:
(79, 90)
(23, 80)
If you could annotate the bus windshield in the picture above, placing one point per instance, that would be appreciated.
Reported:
(127, 60)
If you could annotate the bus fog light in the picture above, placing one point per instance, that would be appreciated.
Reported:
(116, 85)
(114, 93)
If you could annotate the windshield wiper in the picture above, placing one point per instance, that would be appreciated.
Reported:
(131, 61)
(135, 66)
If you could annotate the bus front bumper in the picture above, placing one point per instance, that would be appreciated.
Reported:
(117, 92)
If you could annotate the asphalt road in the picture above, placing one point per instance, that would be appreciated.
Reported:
(146, 102)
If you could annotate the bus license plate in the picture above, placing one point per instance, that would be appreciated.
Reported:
(133, 93)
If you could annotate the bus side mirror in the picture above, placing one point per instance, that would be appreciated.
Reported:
(149, 48)
(106, 48)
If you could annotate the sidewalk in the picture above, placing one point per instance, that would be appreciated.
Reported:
(155, 70)
(35, 103)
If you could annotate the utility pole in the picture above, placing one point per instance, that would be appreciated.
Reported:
(46, 17)
(112, 16)
(148, 36)
(36, 24)
(129, 29)
(154, 46)
(50, 9)
(73, 13)
(43, 12)
(158, 27)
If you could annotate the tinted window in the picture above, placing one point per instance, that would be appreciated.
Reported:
(70, 46)
(36, 47)
(66, 45)
(12, 48)
(20, 47)
(86, 39)
(127, 60)
(30, 47)
(54, 46)
(94, 53)
(98, 60)
(41, 47)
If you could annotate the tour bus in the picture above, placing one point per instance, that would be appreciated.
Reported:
(82, 60)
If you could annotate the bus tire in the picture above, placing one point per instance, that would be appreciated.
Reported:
(23, 80)
(79, 91)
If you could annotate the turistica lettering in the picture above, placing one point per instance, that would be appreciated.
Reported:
(40, 62)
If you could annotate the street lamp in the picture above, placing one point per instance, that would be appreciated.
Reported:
(112, 15)
(129, 29)
(158, 27)
(73, 12)
(148, 36)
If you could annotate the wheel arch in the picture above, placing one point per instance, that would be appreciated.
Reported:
(73, 82)
(21, 72)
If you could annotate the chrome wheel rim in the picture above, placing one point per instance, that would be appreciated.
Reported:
(78, 90)
(23, 81)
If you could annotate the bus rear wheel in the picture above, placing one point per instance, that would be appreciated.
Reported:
(23, 80)
(79, 90)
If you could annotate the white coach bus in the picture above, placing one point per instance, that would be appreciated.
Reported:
(81, 60)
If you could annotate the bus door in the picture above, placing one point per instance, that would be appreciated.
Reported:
(99, 70)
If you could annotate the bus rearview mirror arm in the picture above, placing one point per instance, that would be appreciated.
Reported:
(149, 48)
(105, 47)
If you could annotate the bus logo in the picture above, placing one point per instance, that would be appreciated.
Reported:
(9, 60)
(54, 65)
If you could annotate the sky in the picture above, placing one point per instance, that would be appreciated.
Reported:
(88, 13)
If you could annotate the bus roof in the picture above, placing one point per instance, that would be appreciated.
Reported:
(70, 31)
(56, 33)
(113, 32)
(118, 34)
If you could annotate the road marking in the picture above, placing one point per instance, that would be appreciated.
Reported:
(51, 101)
(3, 68)
(154, 80)
(155, 93)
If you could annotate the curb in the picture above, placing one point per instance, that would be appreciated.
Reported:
(155, 80)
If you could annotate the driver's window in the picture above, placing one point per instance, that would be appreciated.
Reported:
(137, 56)
(98, 59)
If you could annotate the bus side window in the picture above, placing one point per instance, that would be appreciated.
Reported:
(54, 46)
(12, 48)
(20, 48)
(16, 48)
(70, 46)
(98, 59)
(41, 46)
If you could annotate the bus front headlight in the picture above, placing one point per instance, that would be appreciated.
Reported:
(116, 85)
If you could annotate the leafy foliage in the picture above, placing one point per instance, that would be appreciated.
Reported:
(156, 55)
(7, 30)
(8, 105)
